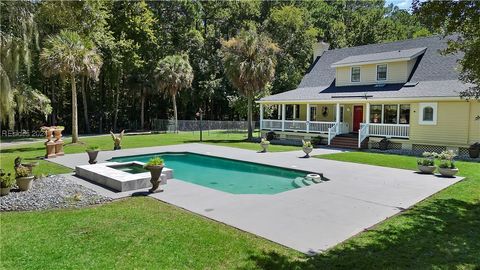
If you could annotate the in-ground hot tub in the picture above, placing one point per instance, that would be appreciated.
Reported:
(120, 176)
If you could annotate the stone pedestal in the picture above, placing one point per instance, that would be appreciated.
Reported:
(59, 148)
(50, 147)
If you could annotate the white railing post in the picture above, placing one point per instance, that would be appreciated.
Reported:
(367, 117)
(261, 116)
(283, 117)
(308, 118)
(337, 118)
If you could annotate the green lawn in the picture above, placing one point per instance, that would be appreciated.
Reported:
(33, 151)
(442, 232)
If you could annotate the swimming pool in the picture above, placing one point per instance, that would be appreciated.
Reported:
(233, 176)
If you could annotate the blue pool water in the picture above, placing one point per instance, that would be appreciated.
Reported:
(227, 175)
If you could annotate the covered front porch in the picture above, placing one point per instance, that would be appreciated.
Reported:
(331, 119)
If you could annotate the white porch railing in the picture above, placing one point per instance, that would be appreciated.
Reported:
(389, 130)
(362, 133)
(332, 132)
(294, 125)
(272, 124)
(321, 127)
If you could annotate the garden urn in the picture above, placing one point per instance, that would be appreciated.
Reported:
(25, 183)
(5, 191)
(307, 150)
(448, 172)
(92, 156)
(264, 147)
(426, 169)
(155, 173)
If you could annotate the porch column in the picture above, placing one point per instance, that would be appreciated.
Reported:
(294, 111)
(261, 116)
(279, 112)
(367, 117)
(308, 118)
(283, 117)
(337, 117)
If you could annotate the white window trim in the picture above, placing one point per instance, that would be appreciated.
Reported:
(351, 72)
(376, 73)
(420, 113)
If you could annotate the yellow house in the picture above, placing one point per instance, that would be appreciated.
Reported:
(405, 91)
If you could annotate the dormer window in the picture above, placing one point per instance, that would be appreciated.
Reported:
(355, 74)
(382, 72)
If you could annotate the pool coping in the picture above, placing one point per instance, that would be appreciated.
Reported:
(321, 215)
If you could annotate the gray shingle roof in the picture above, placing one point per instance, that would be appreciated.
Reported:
(436, 73)
(392, 55)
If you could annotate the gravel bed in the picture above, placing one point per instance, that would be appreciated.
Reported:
(51, 192)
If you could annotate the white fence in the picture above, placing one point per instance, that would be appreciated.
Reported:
(389, 130)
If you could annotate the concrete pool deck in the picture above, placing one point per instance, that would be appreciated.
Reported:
(309, 219)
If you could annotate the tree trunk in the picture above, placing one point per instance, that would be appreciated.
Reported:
(249, 118)
(117, 100)
(142, 108)
(85, 109)
(175, 112)
(74, 111)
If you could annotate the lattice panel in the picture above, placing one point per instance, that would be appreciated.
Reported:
(391, 145)
(462, 151)
(428, 148)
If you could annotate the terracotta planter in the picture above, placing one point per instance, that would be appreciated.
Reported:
(92, 156)
(58, 133)
(474, 152)
(25, 183)
(48, 134)
(448, 172)
(5, 191)
(307, 151)
(155, 173)
(264, 147)
(426, 169)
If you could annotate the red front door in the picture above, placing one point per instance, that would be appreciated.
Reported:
(357, 117)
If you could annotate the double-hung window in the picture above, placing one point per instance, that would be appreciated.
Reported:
(355, 74)
(382, 72)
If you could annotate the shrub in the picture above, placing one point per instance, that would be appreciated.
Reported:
(446, 159)
(317, 140)
(22, 171)
(475, 146)
(155, 161)
(6, 179)
(271, 135)
(307, 143)
(93, 148)
(264, 141)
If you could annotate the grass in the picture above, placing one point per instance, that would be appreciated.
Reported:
(441, 232)
(35, 151)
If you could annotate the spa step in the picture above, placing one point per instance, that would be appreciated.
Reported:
(307, 182)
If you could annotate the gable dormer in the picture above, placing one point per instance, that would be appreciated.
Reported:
(376, 68)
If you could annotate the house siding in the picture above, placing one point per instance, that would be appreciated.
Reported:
(455, 125)
(397, 72)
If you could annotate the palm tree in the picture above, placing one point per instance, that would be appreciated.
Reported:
(69, 55)
(174, 73)
(249, 63)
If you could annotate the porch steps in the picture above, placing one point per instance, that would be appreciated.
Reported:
(348, 141)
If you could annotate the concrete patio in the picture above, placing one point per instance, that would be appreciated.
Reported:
(309, 219)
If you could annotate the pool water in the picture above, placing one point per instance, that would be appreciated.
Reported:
(129, 168)
(237, 177)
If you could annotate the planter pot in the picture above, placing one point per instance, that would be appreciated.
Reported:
(264, 147)
(25, 183)
(57, 133)
(426, 169)
(473, 152)
(5, 191)
(448, 172)
(92, 157)
(307, 151)
(155, 173)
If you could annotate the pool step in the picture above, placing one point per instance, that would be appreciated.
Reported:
(298, 182)
(307, 182)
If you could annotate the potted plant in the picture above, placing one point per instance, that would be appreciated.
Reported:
(92, 152)
(155, 166)
(6, 182)
(264, 143)
(474, 150)
(307, 148)
(24, 178)
(447, 165)
(427, 163)
(383, 144)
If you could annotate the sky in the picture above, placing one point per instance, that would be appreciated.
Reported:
(403, 4)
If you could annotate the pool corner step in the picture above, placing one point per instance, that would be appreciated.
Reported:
(298, 182)
(306, 182)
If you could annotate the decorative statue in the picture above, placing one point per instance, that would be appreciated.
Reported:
(117, 140)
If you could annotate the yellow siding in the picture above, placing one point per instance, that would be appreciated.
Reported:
(452, 126)
(474, 135)
(397, 72)
(410, 66)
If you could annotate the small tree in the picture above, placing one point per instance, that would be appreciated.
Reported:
(172, 74)
(69, 55)
(249, 62)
